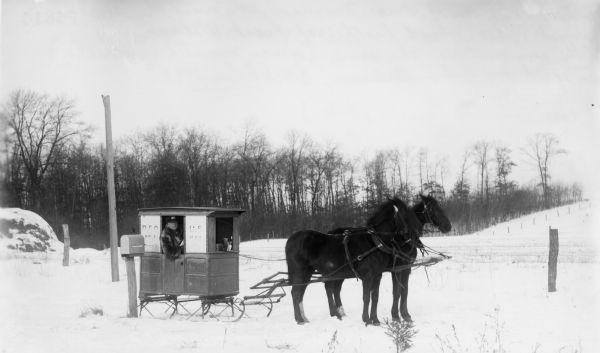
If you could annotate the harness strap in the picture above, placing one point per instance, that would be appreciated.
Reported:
(379, 245)
(350, 261)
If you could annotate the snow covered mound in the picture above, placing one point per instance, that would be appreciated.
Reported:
(26, 231)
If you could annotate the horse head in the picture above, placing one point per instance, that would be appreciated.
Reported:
(393, 216)
(434, 214)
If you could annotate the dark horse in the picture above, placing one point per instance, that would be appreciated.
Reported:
(426, 211)
(364, 254)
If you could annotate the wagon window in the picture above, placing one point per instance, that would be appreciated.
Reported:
(224, 234)
(180, 227)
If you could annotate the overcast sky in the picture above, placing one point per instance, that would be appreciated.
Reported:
(364, 75)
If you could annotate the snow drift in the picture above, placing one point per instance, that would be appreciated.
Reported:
(26, 231)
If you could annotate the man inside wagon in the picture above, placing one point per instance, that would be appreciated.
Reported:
(171, 239)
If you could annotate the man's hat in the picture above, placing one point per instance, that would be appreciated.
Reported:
(172, 220)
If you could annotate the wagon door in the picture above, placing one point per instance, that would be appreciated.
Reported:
(173, 275)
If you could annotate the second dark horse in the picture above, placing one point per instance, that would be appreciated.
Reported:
(365, 254)
(427, 211)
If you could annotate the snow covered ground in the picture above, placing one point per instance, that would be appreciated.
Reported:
(490, 297)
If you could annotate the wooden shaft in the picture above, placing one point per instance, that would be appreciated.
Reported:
(131, 286)
(67, 243)
(112, 204)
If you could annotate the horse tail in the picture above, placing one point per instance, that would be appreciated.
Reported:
(296, 255)
(291, 250)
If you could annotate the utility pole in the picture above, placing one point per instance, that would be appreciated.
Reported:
(112, 203)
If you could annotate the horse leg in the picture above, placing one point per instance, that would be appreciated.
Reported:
(299, 283)
(404, 295)
(301, 303)
(396, 285)
(329, 290)
(367, 285)
(337, 289)
(375, 299)
(296, 302)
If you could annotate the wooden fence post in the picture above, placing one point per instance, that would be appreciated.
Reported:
(67, 243)
(131, 286)
(552, 260)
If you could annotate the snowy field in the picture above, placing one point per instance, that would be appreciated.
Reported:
(490, 297)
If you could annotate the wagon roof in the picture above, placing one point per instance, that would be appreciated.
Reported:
(191, 210)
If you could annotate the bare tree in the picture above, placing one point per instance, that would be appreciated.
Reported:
(504, 164)
(5, 160)
(192, 147)
(317, 160)
(423, 167)
(540, 149)
(407, 156)
(376, 177)
(163, 140)
(255, 153)
(295, 155)
(40, 126)
(167, 177)
(134, 151)
(461, 187)
(481, 156)
(441, 165)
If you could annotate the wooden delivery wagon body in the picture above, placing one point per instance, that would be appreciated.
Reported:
(209, 265)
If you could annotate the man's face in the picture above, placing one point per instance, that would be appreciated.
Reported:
(172, 225)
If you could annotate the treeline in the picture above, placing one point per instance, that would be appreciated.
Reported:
(299, 185)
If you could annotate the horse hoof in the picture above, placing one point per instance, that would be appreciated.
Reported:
(301, 321)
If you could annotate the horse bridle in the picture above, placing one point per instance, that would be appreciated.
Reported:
(426, 210)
